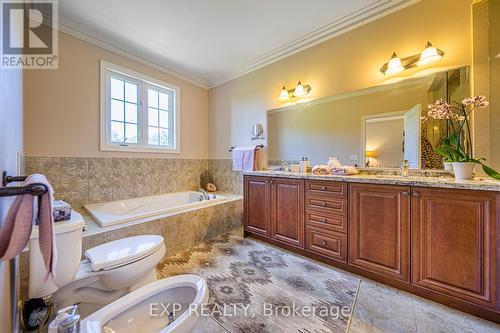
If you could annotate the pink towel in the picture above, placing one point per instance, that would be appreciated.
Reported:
(244, 158)
(16, 229)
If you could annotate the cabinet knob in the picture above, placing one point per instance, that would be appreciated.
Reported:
(324, 243)
(416, 194)
(405, 194)
(323, 204)
(323, 220)
(323, 187)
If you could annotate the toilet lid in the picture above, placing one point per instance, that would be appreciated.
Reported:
(122, 251)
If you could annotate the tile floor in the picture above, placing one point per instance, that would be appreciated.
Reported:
(379, 308)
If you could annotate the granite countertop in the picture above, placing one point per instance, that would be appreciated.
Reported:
(483, 184)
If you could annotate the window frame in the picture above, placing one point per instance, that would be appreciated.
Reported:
(108, 70)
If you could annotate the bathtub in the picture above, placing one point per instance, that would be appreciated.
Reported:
(115, 212)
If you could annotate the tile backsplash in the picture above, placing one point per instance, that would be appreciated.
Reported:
(223, 176)
(82, 180)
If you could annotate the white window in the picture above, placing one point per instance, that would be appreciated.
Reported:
(138, 113)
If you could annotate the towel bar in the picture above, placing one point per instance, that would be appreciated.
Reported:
(33, 189)
(256, 147)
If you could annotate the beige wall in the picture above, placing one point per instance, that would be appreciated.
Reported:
(11, 143)
(486, 71)
(494, 44)
(348, 62)
(62, 106)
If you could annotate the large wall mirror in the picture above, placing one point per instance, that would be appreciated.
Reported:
(374, 127)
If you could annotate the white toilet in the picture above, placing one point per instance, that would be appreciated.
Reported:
(121, 271)
(110, 271)
(147, 309)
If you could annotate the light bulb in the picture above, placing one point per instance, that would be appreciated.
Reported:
(283, 94)
(299, 90)
(429, 55)
(394, 65)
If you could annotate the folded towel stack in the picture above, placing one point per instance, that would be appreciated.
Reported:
(321, 170)
(344, 171)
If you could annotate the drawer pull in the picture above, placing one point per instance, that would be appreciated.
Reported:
(405, 194)
(323, 220)
(416, 194)
(323, 204)
(323, 188)
(324, 243)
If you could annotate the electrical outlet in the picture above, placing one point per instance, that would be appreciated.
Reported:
(353, 157)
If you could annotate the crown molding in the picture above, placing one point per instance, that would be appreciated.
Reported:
(87, 36)
(349, 22)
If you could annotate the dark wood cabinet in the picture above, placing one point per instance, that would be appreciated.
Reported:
(326, 219)
(327, 243)
(257, 205)
(287, 211)
(456, 244)
(441, 244)
(274, 208)
(379, 229)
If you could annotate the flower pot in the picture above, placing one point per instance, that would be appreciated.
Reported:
(448, 166)
(463, 170)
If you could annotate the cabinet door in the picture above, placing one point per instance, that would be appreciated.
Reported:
(455, 243)
(257, 205)
(379, 229)
(287, 211)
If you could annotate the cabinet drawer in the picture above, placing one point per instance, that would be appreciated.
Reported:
(330, 244)
(332, 222)
(327, 205)
(326, 188)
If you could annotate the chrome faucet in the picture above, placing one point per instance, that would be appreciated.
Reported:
(285, 166)
(170, 318)
(71, 324)
(204, 194)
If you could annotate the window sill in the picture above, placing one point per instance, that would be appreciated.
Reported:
(140, 149)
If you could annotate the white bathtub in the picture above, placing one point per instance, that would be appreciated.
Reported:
(121, 211)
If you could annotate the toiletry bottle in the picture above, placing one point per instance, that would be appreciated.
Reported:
(303, 165)
(404, 168)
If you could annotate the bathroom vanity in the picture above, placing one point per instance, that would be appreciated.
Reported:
(427, 235)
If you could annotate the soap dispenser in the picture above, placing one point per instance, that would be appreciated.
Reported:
(333, 162)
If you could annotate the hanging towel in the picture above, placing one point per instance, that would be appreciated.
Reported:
(244, 158)
(24, 212)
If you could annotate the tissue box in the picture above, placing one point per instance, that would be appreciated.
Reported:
(61, 211)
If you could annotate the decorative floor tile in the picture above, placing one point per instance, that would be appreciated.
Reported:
(263, 284)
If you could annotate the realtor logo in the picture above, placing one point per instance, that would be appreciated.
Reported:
(29, 35)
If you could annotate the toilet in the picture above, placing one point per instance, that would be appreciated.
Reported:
(147, 309)
(118, 272)
(109, 271)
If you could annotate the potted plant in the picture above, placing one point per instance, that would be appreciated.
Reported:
(457, 147)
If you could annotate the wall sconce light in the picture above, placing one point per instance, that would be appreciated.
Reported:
(300, 90)
(396, 65)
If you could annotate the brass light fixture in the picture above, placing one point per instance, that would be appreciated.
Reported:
(300, 90)
(429, 54)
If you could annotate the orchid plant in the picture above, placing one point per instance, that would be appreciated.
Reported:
(454, 147)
